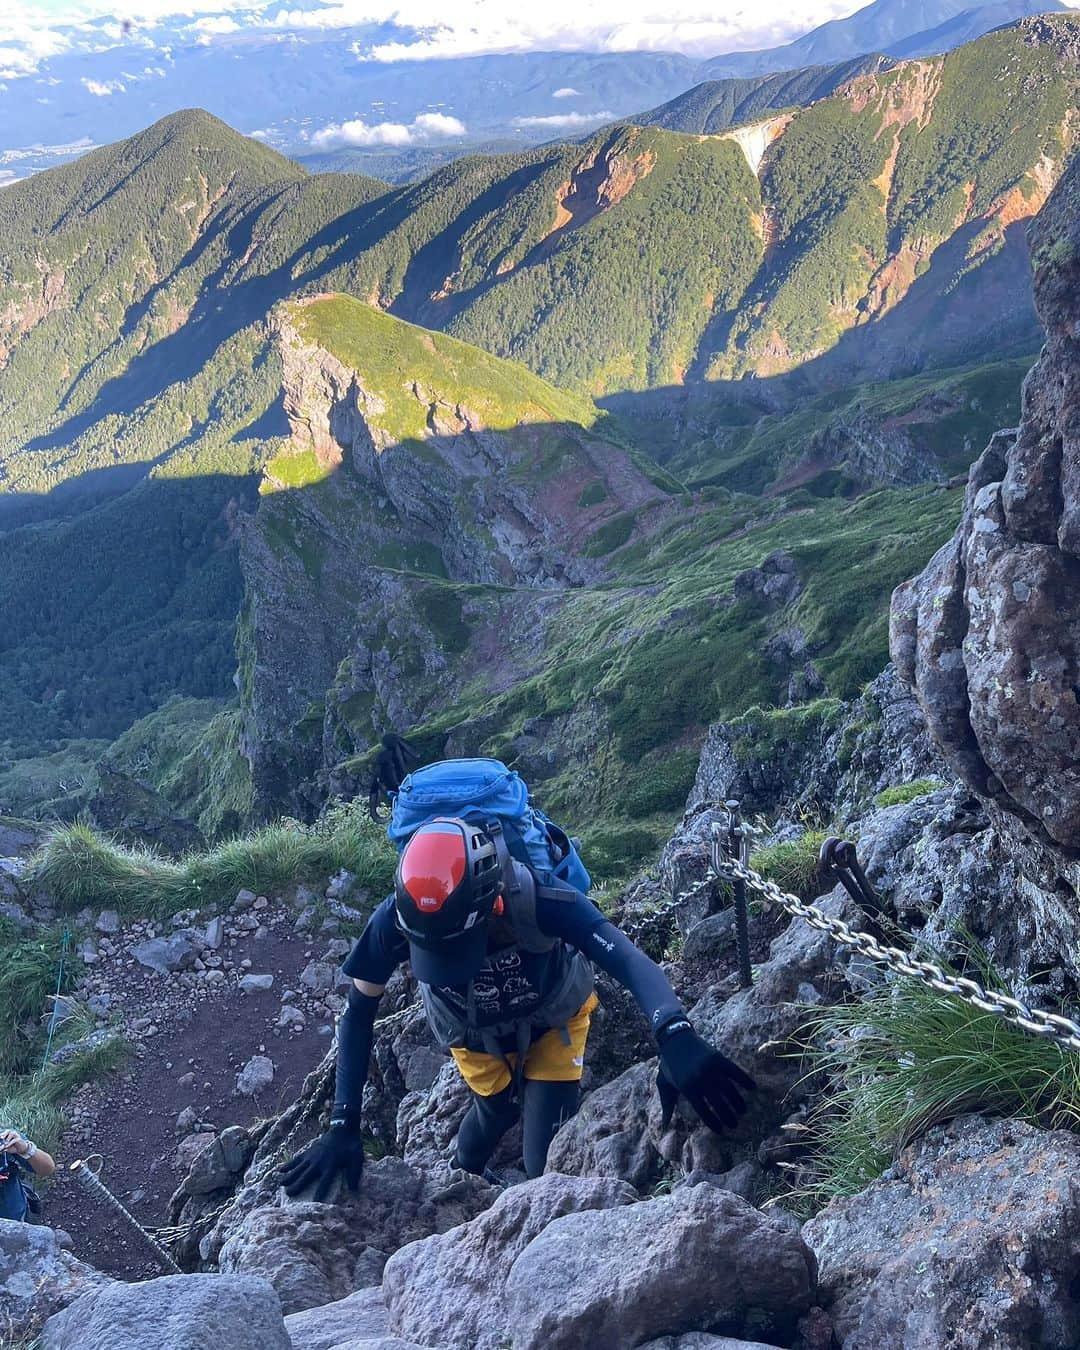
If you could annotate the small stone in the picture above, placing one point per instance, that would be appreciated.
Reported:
(291, 1017)
(250, 984)
(256, 1075)
(213, 977)
(317, 976)
(261, 903)
(215, 933)
(88, 951)
(244, 899)
(186, 1080)
(108, 921)
(187, 1119)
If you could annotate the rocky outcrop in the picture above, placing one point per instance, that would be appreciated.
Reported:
(431, 547)
(970, 1241)
(38, 1277)
(989, 634)
(183, 1312)
(314, 1253)
(450, 1290)
(562, 1262)
(699, 1259)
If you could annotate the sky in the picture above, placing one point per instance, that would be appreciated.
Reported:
(31, 31)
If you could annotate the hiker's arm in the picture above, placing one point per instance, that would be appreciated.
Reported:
(369, 965)
(617, 956)
(42, 1163)
(356, 1034)
(573, 917)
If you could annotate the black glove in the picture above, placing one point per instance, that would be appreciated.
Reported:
(391, 765)
(339, 1149)
(710, 1082)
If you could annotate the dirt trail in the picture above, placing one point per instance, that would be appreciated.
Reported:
(210, 1034)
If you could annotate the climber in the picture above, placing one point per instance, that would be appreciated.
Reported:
(391, 765)
(505, 974)
(19, 1156)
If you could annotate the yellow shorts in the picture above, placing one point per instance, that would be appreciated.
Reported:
(548, 1060)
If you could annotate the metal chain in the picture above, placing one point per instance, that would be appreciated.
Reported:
(646, 921)
(1048, 1025)
(86, 1174)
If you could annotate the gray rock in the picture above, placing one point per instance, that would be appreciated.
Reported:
(290, 1017)
(359, 1316)
(214, 933)
(256, 1076)
(698, 1259)
(218, 1166)
(186, 1120)
(89, 952)
(244, 899)
(250, 984)
(702, 1340)
(38, 1277)
(108, 922)
(183, 1312)
(317, 976)
(448, 1290)
(314, 1254)
(616, 1133)
(970, 1241)
(167, 954)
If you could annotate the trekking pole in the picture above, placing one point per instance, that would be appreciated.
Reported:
(87, 1173)
(736, 845)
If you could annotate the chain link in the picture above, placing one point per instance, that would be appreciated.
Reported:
(704, 883)
(1048, 1025)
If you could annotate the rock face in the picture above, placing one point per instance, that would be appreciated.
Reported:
(37, 1277)
(449, 1290)
(971, 1242)
(360, 1316)
(183, 1312)
(318, 1253)
(989, 634)
(699, 1259)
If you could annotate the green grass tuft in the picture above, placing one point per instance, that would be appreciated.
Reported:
(794, 864)
(905, 1058)
(907, 792)
(79, 868)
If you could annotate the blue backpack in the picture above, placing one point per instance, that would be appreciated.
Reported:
(482, 791)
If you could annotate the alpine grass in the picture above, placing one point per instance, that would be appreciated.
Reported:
(908, 792)
(80, 868)
(793, 864)
(904, 1058)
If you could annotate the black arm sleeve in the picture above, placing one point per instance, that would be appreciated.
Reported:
(615, 954)
(356, 1033)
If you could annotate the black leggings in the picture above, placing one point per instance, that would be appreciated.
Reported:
(545, 1107)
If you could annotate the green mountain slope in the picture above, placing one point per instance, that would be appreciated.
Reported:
(150, 334)
(521, 585)
(717, 105)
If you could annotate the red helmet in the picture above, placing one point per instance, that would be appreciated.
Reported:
(448, 879)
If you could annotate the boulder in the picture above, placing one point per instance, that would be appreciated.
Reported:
(167, 954)
(971, 1241)
(315, 1254)
(256, 1076)
(700, 1259)
(38, 1277)
(616, 1133)
(360, 1316)
(449, 1289)
(219, 1165)
(108, 922)
(182, 1312)
(702, 1340)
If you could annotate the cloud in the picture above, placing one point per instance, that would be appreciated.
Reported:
(102, 88)
(424, 128)
(564, 121)
(567, 92)
(214, 25)
(33, 31)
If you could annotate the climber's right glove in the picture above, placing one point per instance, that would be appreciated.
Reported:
(340, 1149)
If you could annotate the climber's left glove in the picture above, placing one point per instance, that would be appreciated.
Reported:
(690, 1067)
